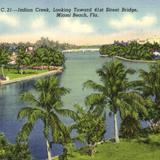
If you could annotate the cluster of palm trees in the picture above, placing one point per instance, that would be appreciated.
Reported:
(48, 56)
(132, 101)
(42, 56)
(132, 50)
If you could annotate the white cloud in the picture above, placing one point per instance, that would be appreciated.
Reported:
(9, 20)
(76, 32)
(38, 23)
(82, 39)
(74, 26)
(130, 22)
(65, 26)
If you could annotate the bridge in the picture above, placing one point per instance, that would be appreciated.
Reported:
(81, 50)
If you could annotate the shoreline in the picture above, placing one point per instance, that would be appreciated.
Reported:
(60, 69)
(34, 76)
(130, 60)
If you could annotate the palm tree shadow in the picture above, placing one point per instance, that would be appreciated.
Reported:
(148, 141)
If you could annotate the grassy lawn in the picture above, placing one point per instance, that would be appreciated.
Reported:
(13, 74)
(143, 149)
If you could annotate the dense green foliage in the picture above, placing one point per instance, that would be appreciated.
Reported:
(10, 151)
(4, 56)
(132, 50)
(48, 57)
(150, 87)
(4, 59)
(39, 57)
(130, 127)
(23, 59)
(90, 127)
(28, 55)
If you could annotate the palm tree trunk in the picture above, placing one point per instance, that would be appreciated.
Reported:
(48, 150)
(116, 128)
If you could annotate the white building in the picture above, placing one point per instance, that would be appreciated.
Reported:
(156, 53)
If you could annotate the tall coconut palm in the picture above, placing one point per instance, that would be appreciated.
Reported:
(47, 107)
(115, 92)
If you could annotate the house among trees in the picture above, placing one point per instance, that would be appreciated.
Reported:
(13, 58)
(29, 50)
(156, 55)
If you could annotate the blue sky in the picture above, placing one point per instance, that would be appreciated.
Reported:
(105, 29)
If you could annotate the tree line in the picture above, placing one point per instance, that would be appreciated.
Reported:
(131, 50)
(43, 42)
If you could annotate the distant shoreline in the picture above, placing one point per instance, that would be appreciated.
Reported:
(59, 70)
(130, 60)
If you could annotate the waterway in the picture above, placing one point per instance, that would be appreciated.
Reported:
(80, 67)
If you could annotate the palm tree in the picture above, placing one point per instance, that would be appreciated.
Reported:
(46, 106)
(57, 57)
(150, 86)
(41, 56)
(116, 92)
(23, 58)
(4, 59)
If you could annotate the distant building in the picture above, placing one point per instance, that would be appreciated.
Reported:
(156, 55)
(13, 58)
(29, 50)
(142, 41)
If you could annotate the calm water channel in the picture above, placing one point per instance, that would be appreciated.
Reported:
(79, 68)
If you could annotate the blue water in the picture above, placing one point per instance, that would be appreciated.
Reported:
(79, 68)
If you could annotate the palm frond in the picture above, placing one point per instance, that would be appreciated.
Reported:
(61, 91)
(95, 98)
(130, 71)
(92, 85)
(30, 98)
(24, 112)
(25, 131)
(31, 113)
(67, 113)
